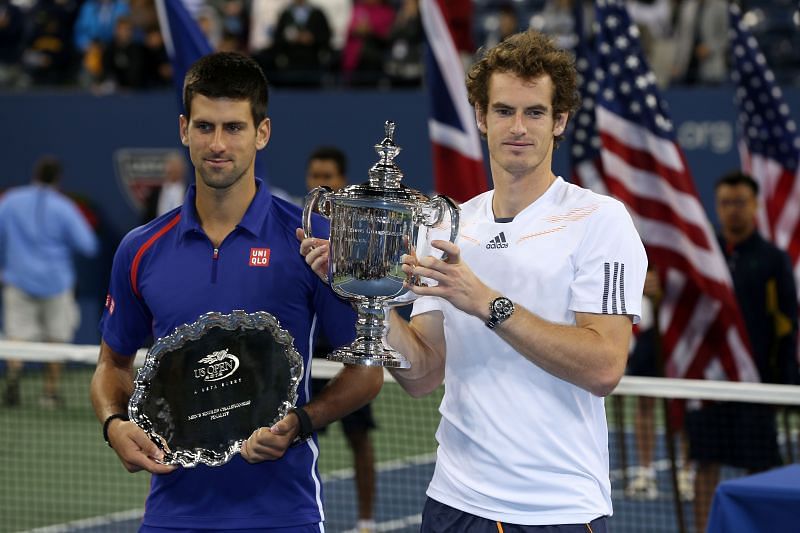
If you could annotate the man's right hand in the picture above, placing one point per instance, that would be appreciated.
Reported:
(135, 449)
(316, 253)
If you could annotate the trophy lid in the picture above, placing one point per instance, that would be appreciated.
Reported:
(384, 184)
(385, 174)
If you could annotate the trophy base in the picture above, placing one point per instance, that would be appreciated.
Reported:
(373, 356)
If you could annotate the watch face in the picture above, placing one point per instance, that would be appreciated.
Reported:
(502, 307)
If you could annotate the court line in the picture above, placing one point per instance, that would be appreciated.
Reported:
(661, 465)
(384, 466)
(95, 521)
(133, 514)
(395, 524)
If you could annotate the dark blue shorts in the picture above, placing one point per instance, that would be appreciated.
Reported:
(440, 518)
(306, 528)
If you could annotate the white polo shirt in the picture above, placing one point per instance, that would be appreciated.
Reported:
(517, 444)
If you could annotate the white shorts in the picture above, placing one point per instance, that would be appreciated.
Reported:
(28, 318)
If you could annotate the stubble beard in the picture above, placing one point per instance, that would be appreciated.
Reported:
(220, 180)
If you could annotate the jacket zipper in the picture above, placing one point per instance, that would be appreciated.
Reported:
(214, 259)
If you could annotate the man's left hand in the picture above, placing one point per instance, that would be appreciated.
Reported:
(268, 444)
(457, 283)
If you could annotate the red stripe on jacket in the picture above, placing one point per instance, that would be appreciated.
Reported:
(146, 246)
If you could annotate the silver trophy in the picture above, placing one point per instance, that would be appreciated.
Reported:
(372, 226)
(205, 387)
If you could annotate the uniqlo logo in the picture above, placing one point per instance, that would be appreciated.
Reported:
(259, 257)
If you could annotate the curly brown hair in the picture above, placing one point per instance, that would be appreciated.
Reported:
(528, 55)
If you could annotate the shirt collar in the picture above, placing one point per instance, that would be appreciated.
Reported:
(546, 197)
(253, 218)
(749, 242)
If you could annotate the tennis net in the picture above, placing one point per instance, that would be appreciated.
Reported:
(58, 475)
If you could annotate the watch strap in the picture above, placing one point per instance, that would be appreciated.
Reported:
(115, 416)
(306, 427)
(496, 319)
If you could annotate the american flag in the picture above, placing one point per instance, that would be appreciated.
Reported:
(624, 144)
(457, 155)
(769, 146)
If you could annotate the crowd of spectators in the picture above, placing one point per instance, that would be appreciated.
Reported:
(685, 41)
(102, 44)
(110, 45)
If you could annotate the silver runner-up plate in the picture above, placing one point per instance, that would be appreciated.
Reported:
(208, 385)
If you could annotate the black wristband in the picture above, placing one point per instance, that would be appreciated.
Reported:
(108, 422)
(306, 427)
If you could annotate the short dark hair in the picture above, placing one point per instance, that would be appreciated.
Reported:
(330, 153)
(528, 55)
(228, 75)
(47, 170)
(737, 177)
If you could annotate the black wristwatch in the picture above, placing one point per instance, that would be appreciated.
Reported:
(306, 427)
(499, 310)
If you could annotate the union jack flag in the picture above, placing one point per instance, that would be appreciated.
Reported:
(624, 144)
(457, 155)
(769, 146)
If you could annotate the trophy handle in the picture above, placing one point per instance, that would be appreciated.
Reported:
(445, 203)
(311, 203)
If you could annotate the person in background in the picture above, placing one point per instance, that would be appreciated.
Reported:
(744, 435)
(49, 57)
(404, 64)
(460, 15)
(302, 46)
(172, 190)
(367, 42)
(40, 231)
(123, 60)
(327, 166)
(157, 67)
(701, 42)
(12, 34)
(507, 25)
(93, 31)
(210, 22)
(654, 18)
(235, 21)
(557, 19)
(263, 18)
(646, 360)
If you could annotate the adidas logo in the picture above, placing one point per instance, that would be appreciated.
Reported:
(498, 242)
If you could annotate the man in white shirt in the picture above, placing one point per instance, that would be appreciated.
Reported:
(527, 320)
